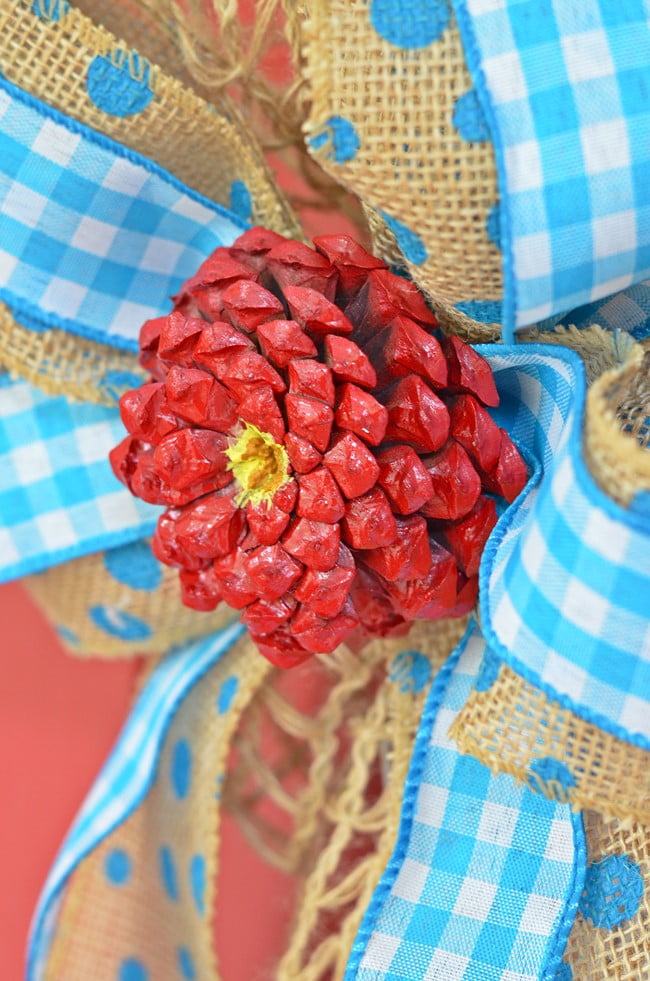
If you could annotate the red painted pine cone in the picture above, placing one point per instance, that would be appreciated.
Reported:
(322, 455)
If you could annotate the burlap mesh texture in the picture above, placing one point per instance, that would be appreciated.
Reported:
(63, 364)
(336, 786)
(207, 146)
(622, 953)
(102, 922)
(513, 724)
(68, 593)
(412, 162)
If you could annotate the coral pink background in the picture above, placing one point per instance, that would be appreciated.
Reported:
(59, 717)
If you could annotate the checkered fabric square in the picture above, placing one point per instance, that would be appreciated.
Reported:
(566, 581)
(565, 90)
(127, 775)
(483, 874)
(93, 238)
(58, 496)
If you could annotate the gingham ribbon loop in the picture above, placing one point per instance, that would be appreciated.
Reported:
(566, 575)
(563, 86)
(94, 238)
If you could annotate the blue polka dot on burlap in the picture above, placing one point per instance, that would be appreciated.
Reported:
(468, 118)
(186, 964)
(132, 969)
(410, 671)
(117, 867)
(227, 693)
(198, 882)
(410, 24)
(52, 10)
(484, 311)
(493, 225)
(338, 140)
(134, 565)
(410, 243)
(181, 768)
(612, 891)
(168, 874)
(240, 200)
(119, 623)
(112, 86)
(547, 771)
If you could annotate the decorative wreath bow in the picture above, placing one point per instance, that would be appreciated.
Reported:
(549, 687)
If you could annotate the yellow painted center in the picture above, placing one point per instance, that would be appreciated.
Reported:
(259, 464)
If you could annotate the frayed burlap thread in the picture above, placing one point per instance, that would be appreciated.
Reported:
(620, 952)
(207, 146)
(94, 613)
(336, 784)
(148, 913)
(513, 725)
(411, 166)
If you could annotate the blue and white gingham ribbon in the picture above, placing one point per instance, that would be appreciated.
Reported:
(127, 776)
(94, 238)
(564, 89)
(485, 877)
(565, 577)
(59, 498)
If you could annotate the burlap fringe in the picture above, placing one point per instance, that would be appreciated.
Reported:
(336, 785)
(69, 593)
(513, 724)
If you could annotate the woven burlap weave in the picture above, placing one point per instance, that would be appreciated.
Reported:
(69, 593)
(412, 163)
(513, 723)
(207, 146)
(104, 921)
(623, 952)
(62, 364)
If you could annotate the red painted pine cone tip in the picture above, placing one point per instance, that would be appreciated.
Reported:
(326, 460)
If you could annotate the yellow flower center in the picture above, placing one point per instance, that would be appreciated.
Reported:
(259, 464)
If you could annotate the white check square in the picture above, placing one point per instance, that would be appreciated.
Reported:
(380, 952)
(523, 167)
(475, 899)
(56, 143)
(411, 880)
(587, 56)
(497, 824)
(93, 236)
(605, 146)
(613, 234)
